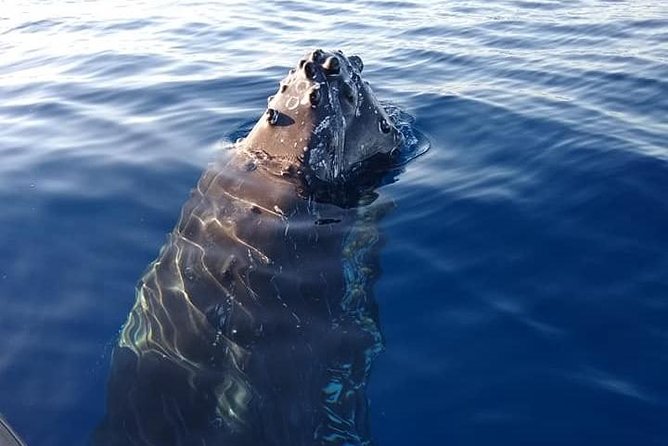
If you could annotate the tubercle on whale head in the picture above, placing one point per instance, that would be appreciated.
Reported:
(325, 118)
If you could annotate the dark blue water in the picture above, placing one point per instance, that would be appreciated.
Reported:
(524, 295)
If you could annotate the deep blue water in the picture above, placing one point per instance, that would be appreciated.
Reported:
(524, 295)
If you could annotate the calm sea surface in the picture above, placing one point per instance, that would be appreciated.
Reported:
(524, 293)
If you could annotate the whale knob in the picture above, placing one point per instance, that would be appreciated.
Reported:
(314, 97)
(356, 61)
(309, 70)
(332, 65)
(272, 116)
(317, 55)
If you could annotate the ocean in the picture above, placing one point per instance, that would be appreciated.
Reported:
(524, 290)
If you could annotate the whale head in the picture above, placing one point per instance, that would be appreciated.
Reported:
(325, 119)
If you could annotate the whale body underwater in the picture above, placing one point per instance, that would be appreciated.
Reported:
(257, 324)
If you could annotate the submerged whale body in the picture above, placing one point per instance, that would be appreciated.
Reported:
(257, 324)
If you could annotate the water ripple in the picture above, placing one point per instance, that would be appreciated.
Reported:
(524, 279)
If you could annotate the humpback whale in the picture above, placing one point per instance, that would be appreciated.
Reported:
(257, 324)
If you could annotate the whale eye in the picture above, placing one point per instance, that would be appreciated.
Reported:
(385, 126)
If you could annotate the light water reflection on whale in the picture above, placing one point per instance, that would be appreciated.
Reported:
(257, 324)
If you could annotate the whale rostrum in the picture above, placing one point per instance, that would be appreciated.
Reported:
(325, 119)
